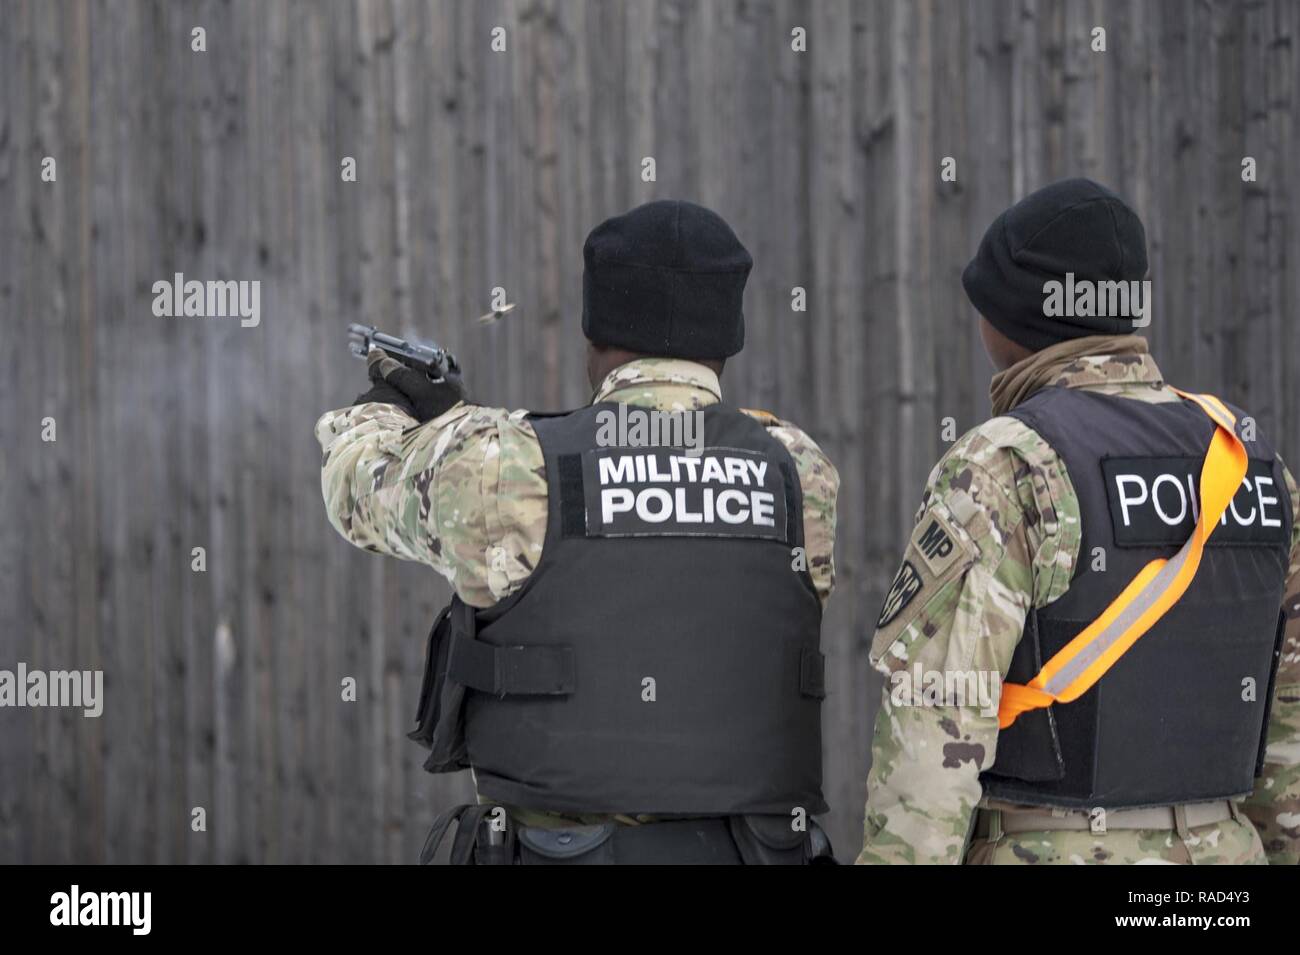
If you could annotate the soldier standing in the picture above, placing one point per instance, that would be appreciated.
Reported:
(630, 663)
(1115, 553)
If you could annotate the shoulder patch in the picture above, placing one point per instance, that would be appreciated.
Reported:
(936, 542)
(938, 553)
(906, 585)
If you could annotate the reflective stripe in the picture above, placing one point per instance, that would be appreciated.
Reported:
(1143, 601)
(1083, 661)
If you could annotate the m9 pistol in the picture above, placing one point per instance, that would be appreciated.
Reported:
(428, 357)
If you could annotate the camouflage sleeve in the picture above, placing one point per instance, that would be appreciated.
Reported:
(997, 532)
(820, 483)
(1274, 806)
(464, 493)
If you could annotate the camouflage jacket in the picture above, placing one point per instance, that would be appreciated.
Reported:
(1006, 498)
(465, 493)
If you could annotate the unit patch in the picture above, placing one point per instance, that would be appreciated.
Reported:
(907, 584)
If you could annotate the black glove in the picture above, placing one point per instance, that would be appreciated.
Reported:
(410, 389)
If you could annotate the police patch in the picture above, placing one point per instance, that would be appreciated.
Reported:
(720, 492)
(1154, 502)
(906, 585)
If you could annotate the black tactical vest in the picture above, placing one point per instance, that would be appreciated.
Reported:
(663, 656)
(1175, 719)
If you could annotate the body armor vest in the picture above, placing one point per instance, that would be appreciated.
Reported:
(663, 656)
(1180, 717)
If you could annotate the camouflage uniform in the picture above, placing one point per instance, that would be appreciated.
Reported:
(466, 492)
(1006, 497)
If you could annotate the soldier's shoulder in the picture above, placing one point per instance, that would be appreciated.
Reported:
(1003, 468)
(998, 441)
(998, 452)
(808, 456)
(784, 430)
(468, 430)
(765, 418)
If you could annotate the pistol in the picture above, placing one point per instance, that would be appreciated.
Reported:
(428, 357)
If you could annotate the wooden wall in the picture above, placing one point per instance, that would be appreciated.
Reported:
(481, 169)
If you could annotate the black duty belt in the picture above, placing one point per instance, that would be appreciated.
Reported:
(482, 839)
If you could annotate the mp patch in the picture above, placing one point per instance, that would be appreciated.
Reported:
(936, 542)
(938, 554)
(906, 585)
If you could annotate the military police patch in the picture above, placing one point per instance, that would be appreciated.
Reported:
(938, 554)
(720, 492)
(936, 541)
(906, 585)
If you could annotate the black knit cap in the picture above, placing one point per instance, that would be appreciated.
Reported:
(1074, 225)
(666, 279)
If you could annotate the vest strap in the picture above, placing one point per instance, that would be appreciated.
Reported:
(511, 671)
(573, 505)
(812, 674)
(1149, 596)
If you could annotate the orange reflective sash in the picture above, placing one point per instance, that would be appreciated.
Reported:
(1157, 587)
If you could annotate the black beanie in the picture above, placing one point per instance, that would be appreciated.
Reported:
(1074, 225)
(666, 279)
